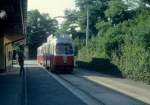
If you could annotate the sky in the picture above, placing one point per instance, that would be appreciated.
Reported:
(53, 7)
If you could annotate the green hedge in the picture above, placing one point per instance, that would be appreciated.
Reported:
(134, 62)
(127, 45)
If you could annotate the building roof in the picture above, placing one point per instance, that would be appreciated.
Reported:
(15, 19)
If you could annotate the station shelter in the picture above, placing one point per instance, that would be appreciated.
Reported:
(13, 15)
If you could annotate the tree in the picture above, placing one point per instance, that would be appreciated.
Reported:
(78, 18)
(96, 12)
(71, 21)
(39, 26)
(71, 24)
(119, 11)
(146, 1)
(123, 38)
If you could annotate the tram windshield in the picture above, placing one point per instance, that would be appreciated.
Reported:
(64, 49)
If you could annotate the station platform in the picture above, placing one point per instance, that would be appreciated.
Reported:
(10, 88)
(39, 88)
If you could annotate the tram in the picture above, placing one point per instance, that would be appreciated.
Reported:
(57, 54)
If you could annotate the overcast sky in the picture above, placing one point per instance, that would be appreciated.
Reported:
(53, 7)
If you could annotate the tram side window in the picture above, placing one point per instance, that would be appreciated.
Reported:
(53, 50)
(39, 52)
(50, 50)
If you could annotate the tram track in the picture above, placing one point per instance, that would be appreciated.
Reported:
(80, 93)
(92, 93)
(89, 95)
(107, 90)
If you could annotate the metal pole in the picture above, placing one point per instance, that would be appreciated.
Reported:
(87, 26)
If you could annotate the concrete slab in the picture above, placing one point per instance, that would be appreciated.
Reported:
(42, 89)
(10, 88)
(137, 90)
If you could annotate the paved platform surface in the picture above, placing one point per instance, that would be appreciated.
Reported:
(137, 90)
(42, 89)
(10, 88)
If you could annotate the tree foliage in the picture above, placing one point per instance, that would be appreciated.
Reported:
(39, 27)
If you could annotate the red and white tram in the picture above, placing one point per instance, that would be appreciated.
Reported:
(39, 55)
(57, 53)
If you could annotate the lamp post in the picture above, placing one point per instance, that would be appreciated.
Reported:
(87, 24)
